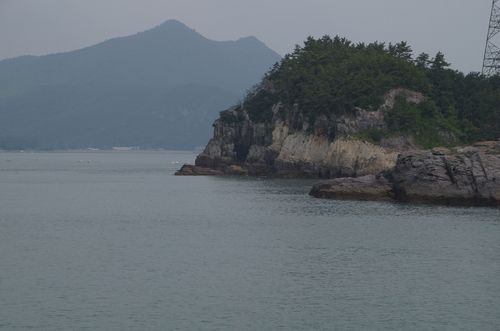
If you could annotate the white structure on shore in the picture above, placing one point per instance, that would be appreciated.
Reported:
(126, 148)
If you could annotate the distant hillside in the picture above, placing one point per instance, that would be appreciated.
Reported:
(161, 88)
(85, 115)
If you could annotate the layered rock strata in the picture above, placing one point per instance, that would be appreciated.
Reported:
(461, 176)
(295, 147)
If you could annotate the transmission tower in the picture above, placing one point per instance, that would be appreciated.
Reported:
(491, 61)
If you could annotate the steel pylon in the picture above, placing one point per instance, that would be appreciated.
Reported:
(491, 61)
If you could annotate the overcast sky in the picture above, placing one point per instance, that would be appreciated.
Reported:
(455, 27)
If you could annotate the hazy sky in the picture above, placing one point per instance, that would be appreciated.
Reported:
(455, 27)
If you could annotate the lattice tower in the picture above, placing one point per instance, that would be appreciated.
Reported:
(491, 61)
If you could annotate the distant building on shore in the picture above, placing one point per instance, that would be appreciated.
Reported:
(125, 148)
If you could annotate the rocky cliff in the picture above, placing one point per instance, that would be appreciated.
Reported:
(460, 176)
(295, 146)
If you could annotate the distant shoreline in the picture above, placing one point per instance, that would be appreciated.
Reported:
(144, 151)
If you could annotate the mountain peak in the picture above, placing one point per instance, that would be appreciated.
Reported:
(167, 55)
(251, 41)
(172, 24)
(174, 29)
(130, 90)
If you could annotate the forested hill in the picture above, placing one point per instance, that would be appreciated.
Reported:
(168, 55)
(333, 76)
(160, 88)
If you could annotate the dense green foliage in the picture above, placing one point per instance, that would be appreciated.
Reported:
(334, 76)
(427, 123)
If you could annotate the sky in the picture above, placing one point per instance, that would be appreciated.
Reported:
(456, 28)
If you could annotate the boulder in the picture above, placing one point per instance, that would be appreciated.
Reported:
(191, 170)
(369, 187)
(471, 176)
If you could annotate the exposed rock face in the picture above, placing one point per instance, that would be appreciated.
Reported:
(410, 96)
(462, 176)
(189, 170)
(294, 147)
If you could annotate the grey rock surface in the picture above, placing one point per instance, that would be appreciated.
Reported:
(469, 176)
(295, 148)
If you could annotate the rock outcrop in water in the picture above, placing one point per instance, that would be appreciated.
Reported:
(294, 147)
(461, 176)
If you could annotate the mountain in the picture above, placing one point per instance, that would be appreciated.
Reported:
(160, 88)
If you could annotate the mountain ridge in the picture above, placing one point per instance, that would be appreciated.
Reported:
(68, 100)
(143, 54)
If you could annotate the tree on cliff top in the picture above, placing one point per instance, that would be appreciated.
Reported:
(334, 76)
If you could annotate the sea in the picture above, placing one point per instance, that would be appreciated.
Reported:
(115, 241)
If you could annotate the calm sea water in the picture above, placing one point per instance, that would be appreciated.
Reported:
(119, 243)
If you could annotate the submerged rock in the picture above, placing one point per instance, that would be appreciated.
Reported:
(470, 176)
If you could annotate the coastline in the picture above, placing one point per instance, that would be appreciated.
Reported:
(143, 151)
(462, 176)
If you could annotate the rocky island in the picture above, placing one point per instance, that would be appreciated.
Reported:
(368, 119)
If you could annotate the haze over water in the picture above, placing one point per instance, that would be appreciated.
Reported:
(119, 243)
